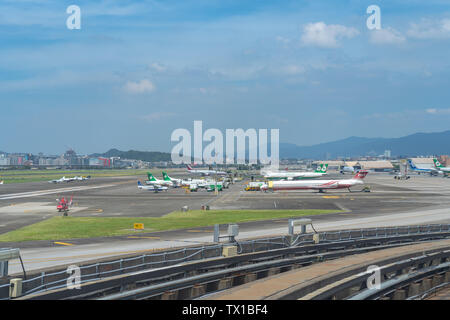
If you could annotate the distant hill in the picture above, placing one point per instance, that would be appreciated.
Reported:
(416, 144)
(149, 156)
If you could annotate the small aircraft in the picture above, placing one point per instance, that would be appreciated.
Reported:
(81, 178)
(64, 204)
(154, 187)
(63, 179)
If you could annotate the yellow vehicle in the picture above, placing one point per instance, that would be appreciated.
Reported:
(254, 186)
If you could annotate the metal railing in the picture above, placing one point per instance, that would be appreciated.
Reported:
(97, 271)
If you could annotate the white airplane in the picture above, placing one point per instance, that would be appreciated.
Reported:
(153, 181)
(315, 184)
(292, 175)
(348, 169)
(63, 179)
(1, 182)
(81, 178)
(419, 170)
(205, 172)
(155, 188)
(175, 181)
(403, 173)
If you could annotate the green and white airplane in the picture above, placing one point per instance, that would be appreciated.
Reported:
(287, 175)
(166, 177)
(153, 181)
(440, 167)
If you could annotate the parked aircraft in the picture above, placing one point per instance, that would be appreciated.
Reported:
(419, 170)
(155, 188)
(81, 178)
(320, 185)
(175, 181)
(348, 169)
(63, 179)
(153, 181)
(440, 167)
(292, 175)
(205, 172)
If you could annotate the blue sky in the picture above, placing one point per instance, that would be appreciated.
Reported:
(137, 70)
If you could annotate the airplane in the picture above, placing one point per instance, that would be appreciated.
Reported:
(320, 185)
(440, 167)
(1, 182)
(81, 178)
(348, 169)
(205, 172)
(413, 167)
(155, 188)
(63, 179)
(176, 182)
(320, 171)
(403, 173)
(64, 204)
(153, 181)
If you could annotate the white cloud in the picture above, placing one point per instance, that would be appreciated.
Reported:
(327, 36)
(142, 86)
(434, 111)
(292, 70)
(158, 67)
(386, 36)
(430, 29)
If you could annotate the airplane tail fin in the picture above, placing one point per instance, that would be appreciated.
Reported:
(437, 164)
(71, 201)
(411, 164)
(361, 175)
(139, 183)
(189, 167)
(150, 177)
(322, 168)
(165, 176)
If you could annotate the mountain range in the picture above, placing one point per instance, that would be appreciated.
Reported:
(150, 156)
(437, 143)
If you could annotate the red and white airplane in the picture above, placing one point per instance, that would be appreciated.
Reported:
(315, 184)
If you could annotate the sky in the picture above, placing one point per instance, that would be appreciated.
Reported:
(137, 70)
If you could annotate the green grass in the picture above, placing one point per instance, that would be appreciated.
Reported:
(58, 228)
